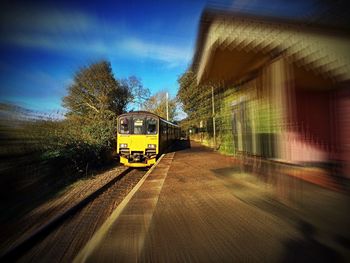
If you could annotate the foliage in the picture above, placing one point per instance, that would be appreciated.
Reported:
(157, 105)
(195, 99)
(87, 141)
(187, 91)
(138, 93)
(94, 100)
(95, 90)
(39, 152)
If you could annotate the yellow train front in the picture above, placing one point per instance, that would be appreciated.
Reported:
(142, 136)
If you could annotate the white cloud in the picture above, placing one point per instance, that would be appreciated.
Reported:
(78, 32)
(56, 43)
(170, 54)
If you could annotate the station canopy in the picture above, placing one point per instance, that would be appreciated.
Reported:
(232, 45)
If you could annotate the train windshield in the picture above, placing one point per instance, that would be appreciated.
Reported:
(151, 126)
(138, 125)
(124, 126)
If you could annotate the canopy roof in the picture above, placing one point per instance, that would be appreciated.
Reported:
(231, 45)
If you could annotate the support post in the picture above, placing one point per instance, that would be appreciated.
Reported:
(167, 106)
(213, 108)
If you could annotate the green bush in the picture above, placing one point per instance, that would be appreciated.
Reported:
(77, 142)
(82, 141)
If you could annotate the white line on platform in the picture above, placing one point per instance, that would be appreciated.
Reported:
(91, 245)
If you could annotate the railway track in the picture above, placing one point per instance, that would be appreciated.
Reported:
(60, 239)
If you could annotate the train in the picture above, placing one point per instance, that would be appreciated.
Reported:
(142, 136)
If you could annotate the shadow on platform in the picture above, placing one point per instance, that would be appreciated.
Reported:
(307, 248)
(180, 145)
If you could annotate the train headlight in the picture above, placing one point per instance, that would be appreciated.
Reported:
(153, 146)
(123, 145)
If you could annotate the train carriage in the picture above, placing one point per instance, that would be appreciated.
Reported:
(142, 136)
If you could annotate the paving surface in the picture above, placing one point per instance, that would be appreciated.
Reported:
(200, 206)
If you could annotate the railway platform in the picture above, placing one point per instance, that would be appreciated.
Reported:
(197, 205)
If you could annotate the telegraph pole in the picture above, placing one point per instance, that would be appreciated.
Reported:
(167, 106)
(213, 107)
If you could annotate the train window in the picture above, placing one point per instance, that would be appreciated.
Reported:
(151, 126)
(138, 126)
(124, 126)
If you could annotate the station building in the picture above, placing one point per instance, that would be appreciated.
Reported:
(281, 88)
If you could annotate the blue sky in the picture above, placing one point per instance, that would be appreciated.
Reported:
(42, 44)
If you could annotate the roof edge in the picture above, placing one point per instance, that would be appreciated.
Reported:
(211, 14)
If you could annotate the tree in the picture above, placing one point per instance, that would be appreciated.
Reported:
(139, 93)
(188, 91)
(95, 91)
(157, 105)
(94, 100)
(195, 99)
